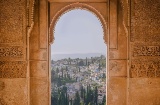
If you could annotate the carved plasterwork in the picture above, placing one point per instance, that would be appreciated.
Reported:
(146, 50)
(15, 92)
(13, 24)
(125, 8)
(2, 85)
(145, 20)
(145, 60)
(11, 52)
(13, 69)
(30, 12)
(145, 68)
(145, 39)
(76, 6)
(2, 102)
(30, 16)
(12, 21)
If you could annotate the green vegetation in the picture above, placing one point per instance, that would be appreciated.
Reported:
(61, 80)
(85, 77)
(87, 96)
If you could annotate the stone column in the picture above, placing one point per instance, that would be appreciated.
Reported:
(118, 55)
(39, 60)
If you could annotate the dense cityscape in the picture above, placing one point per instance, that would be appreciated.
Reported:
(79, 81)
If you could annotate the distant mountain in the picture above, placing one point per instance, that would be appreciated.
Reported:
(76, 55)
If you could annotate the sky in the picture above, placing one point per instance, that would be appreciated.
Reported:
(78, 31)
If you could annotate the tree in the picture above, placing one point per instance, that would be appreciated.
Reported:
(71, 101)
(92, 60)
(67, 99)
(96, 96)
(66, 68)
(77, 99)
(69, 61)
(59, 83)
(81, 63)
(54, 98)
(57, 70)
(99, 66)
(77, 61)
(104, 100)
(52, 75)
(62, 71)
(88, 64)
(86, 61)
(82, 92)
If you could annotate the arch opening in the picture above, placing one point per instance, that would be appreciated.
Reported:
(52, 37)
(72, 7)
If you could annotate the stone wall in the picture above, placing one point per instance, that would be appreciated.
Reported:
(13, 59)
(144, 82)
(118, 52)
(39, 52)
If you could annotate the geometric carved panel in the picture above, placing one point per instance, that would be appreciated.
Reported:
(13, 69)
(145, 39)
(12, 21)
(11, 51)
(145, 68)
(145, 20)
(146, 50)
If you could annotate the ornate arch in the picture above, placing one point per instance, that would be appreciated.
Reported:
(72, 7)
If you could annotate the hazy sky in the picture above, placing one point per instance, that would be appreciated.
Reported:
(78, 31)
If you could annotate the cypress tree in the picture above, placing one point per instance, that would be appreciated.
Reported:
(77, 99)
(81, 91)
(71, 102)
(104, 100)
(86, 61)
(96, 96)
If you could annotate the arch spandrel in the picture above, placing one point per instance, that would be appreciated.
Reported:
(77, 6)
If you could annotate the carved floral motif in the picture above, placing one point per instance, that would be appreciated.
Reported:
(12, 21)
(12, 69)
(2, 102)
(145, 20)
(145, 39)
(145, 68)
(2, 85)
(15, 51)
(144, 50)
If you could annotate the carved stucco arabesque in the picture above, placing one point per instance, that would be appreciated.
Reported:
(145, 39)
(15, 22)
(13, 37)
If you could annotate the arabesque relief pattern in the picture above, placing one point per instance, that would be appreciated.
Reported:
(144, 68)
(145, 21)
(145, 39)
(15, 52)
(13, 21)
(13, 69)
(146, 51)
